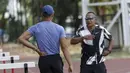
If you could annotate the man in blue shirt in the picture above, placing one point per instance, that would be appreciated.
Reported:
(49, 37)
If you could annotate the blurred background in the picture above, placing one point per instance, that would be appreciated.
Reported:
(17, 15)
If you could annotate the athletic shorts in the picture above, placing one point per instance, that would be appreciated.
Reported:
(94, 68)
(50, 64)
(97, 68)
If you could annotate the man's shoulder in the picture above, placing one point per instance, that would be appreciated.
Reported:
(58, 26)
(100, 27)
(80, 28)
(33, 26)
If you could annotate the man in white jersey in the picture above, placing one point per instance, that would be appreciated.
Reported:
(93, 47)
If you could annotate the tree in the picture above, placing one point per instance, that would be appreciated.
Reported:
(3, 4)
(105, 12)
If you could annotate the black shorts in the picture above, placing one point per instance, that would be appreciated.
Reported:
(97, 68)
(50, 64)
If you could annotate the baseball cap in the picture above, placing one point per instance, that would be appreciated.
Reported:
(48, 9)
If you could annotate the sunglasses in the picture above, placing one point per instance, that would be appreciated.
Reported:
(89, 18)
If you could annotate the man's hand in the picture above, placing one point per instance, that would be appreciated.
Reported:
(89, 37)
(106, 52)
(40, 53)
(70, 69)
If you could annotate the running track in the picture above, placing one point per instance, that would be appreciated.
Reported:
(113, 66)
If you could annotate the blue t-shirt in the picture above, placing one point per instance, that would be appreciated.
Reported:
(48, 36)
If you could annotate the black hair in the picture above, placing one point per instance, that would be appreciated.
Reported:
(45, 14)
(91, 12)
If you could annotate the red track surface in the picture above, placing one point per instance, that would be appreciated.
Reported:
(113, 66)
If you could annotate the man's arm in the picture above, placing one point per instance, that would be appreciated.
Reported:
(76, 40)
(108, 36)
(24, 40)
(110, 45)
(109, 49)
(64, 48)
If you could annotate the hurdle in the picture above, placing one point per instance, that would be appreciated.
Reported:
(5, 56)
(9, 58)
(2, 54)
(24, 65)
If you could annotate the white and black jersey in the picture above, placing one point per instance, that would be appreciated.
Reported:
(93, 53)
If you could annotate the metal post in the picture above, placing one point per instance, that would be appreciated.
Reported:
(120, 29)
(12, 61)
(25, 68)
(83, 13)
(126, 35)
(4, 71)
(114, 20)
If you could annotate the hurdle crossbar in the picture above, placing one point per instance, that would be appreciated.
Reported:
(17, 65)
(2, 54)
(8, 58)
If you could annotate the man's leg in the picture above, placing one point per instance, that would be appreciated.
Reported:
(86, 69)
(44, 65)
(100, 68)
(83, 67)
(56, 64)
